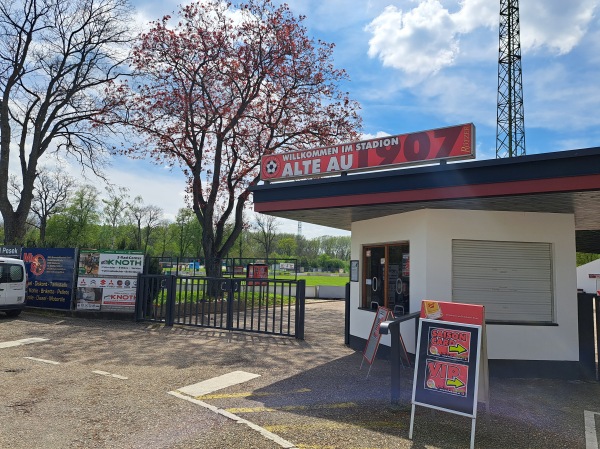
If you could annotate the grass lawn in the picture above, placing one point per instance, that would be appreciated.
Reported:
(334, 281)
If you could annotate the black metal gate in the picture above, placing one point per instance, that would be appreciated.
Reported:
(268, 306)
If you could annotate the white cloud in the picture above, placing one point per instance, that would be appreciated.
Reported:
(377, 135)
(429, 37)
(555, 25)
(416, 42)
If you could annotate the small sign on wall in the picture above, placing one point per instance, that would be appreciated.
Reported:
(354, 271)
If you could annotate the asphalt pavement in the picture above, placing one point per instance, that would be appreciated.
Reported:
(71, 382)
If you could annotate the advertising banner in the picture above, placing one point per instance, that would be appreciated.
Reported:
(111, 263)
(50, 276)
(118, 298)
(108, 280)
(93, 292)
(456, 142)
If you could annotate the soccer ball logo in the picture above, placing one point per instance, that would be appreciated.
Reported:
(271, 167)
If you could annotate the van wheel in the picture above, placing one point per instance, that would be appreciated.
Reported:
(13, 313)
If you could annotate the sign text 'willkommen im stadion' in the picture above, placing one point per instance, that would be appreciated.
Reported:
(456, 142)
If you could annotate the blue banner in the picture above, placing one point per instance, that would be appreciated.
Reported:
(50, 277)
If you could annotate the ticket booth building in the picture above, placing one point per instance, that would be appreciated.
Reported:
(502, 233)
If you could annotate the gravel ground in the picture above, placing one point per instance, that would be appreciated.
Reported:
(310, 393)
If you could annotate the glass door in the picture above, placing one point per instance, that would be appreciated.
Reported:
(374, 257)
(386, 277)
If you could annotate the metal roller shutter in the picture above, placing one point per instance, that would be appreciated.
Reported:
(513, 280)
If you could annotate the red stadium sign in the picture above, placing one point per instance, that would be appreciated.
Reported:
(456, 142)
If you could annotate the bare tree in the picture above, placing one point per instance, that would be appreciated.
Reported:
(184, 219)
(152, 216)
(51, 195)
(81, 215)
(265, 226)
(56, 57)
(53, 189)
(165, 236)
(145, 219)
(115, 210)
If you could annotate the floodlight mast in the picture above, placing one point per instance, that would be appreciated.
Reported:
(510, 130)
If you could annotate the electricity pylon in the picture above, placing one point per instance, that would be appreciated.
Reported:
(510, 128)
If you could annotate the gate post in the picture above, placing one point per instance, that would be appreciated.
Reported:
(231, 288)
(597, 306)
(300, 306)
(585, 321)
(347, 315)
(171, 295)
(139, 312)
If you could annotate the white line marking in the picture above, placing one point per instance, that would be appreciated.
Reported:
(24, 341)
(591, 439)
(264, 432)
(51, 362)
(217, 383)
(104, 373)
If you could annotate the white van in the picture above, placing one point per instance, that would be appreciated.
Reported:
(13, 284)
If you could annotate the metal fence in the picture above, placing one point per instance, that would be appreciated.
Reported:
(268, 306)
(194, 266)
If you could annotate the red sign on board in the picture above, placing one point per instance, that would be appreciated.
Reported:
(445, 377)
(456, 142)
(452, 344)
(257, 271)
(455, 312)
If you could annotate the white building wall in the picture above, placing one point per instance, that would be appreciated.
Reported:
(430, 233)
(584, 282)
(397, 228)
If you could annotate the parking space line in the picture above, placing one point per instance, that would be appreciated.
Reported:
(311, 446)
(591, 438)
(50, 362)
(217, 383)
(290, 408)
(247, 394)
(24, 341)
(104, 373)
(264, 432)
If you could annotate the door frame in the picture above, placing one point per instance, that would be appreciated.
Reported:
(366, 266)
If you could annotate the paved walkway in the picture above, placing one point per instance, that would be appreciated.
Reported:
(83, 383)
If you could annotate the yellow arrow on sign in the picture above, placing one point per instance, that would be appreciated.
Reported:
(456, 383)
(459, 349)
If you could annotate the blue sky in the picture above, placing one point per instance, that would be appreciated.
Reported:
(422, 64)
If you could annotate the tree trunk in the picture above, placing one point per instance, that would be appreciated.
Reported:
(214, 267)
(43, 225)
(14, 227)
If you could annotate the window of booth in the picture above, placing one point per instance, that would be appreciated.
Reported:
(386, 277)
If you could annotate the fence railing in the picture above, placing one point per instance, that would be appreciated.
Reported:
(268, 306)
(397, 350)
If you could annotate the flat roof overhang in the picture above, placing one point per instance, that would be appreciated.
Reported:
(561, 182)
